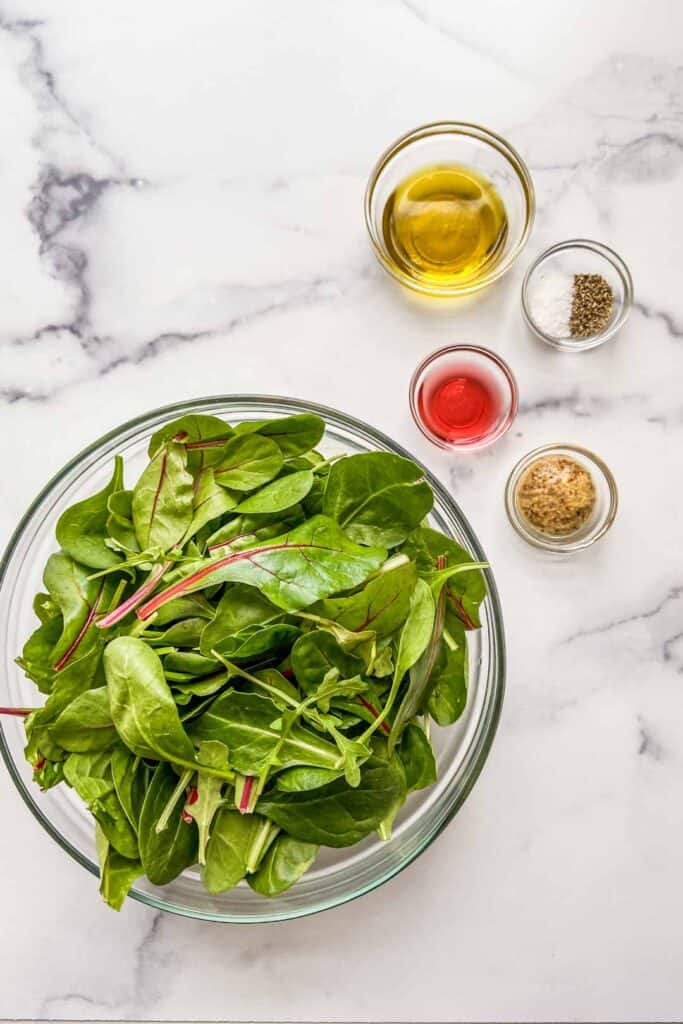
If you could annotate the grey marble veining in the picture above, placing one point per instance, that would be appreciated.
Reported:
(181, 199)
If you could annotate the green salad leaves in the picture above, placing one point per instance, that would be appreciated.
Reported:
(242, 653)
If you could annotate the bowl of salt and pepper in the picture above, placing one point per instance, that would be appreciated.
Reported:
(449, 228)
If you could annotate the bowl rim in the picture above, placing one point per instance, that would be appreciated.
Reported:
(610, 256)
(496, 643)
(470, 446)
(559, 545)
(488, 137)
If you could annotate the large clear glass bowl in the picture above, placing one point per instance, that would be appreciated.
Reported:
(338, 875)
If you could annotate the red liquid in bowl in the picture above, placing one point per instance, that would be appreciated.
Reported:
(459, 404)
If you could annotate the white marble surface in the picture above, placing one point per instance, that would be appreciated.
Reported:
(180, 196)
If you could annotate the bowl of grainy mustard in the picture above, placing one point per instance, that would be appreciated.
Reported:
(561, 497)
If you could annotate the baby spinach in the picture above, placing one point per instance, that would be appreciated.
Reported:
(82, 529)
(165, 854)
(86, 723)
(377, 497)
(227, 852)
(117, 873)
(338, 814)
(283, 865)
(279, 495)
(294, 435)
(142, 707)
(248, 462)
(235, 671)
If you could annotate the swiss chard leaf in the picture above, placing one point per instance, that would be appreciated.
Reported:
(162, 505)
(377, 497)
(313, 561)
(382, 605)
(82, 529)
(203, 437)
(466, 591)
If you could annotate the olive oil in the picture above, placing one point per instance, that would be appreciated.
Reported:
(444, 225)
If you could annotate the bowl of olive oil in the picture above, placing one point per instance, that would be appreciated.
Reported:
(449, 207)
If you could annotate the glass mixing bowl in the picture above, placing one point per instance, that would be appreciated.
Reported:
(338, 875)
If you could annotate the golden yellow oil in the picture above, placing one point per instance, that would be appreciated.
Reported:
(444, 225)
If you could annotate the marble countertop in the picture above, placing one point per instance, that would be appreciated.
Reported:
(181, 199)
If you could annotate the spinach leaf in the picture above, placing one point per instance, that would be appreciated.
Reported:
(448, 695)
(82, 529)
(142, 707)
(246, 625)
(301, 779)
(36, 659)
(210, 501)
(248, 462)
(91, 776)
(417, 758)
(294, 435)
(86, 723)
(228, 849)
(338, 814)
(284, 864)
(165, 854)
(377, 497)
(119, 524)
(315, 654)
(131, 778)
(246, 724)
(162, 505)
(279, 495)
(117, 873)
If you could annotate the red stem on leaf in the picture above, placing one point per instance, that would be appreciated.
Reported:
(195, 446)
(111, 618)
(39, 764)
(246, 794)
(17, 712)
(460, 611)
(192, 796)
(58, 666)
(384, 726)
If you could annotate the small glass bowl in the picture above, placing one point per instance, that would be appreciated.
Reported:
(602, 517)
(480, 363)
(579, 256)
(453, 142)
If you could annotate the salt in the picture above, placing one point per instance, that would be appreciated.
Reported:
(550, 303)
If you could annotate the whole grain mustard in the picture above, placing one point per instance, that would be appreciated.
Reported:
(556, 495)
